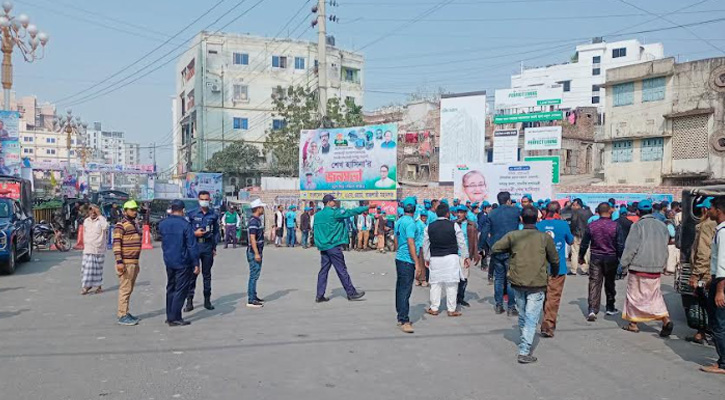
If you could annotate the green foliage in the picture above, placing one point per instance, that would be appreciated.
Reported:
(236, 158)
(298, 106)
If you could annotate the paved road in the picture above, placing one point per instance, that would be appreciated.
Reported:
(57, 344)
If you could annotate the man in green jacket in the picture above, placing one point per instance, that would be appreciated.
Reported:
(531, 253)
(330, 235)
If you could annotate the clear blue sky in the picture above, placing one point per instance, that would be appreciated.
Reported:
(459, 45)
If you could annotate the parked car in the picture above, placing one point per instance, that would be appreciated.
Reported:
(244, 210)
(16, 235)
(159, 209)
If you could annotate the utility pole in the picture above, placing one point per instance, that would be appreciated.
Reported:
(322, 57)
(224, 110)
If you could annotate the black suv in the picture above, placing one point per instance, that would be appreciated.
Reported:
(159, 209)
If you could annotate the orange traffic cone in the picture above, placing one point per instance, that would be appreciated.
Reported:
(146, 243)
(79, 243)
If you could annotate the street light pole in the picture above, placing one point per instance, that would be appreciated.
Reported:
(70, 125)
(18, 32)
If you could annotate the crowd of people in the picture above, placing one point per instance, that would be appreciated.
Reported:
(523, 244)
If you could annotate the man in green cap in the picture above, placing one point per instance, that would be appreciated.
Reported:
(330, 235)
(127, 251)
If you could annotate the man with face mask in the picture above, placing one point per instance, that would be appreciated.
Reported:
(205, 223)
(95, 229)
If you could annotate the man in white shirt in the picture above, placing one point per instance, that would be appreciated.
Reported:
(364, 224)
(95, 229)
(716, 297)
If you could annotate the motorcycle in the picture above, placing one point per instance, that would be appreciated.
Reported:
(48, 234)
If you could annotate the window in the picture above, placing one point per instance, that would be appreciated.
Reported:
(595, 88)
(241, 93)
(622, 151)
(566, 85)
(278, 124)
(653, 89)
(241, 59)
(595, 99)
(279, 62)
(299, 63)
(596, 59)
(27, 151)
(241, 123)
(27, 138)
(351, 75)
(50, 140)
(623, 94)
(72, 152)
(652, 149)
(621, 52)
(50, 151)
(596, 71)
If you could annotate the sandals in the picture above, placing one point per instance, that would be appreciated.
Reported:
(454, 313)
(667, 329)
(713, 369)
(424, 284)
(85, 291)
(417, 283)
(99, 290)
(630, 329)
(431, 312)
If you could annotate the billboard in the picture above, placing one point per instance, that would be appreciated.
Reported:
(593, 199)
(358, 163)
(479, 182)
(506, 146)
(524, 98)
(555, 169)
(462, 132)
(209, 181)
(10, 162)
(543, 138)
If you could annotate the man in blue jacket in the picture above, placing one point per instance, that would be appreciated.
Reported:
(559, 230)
(181, 256)
(500, 221)
(206, 230)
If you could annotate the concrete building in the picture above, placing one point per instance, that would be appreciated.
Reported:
(582, 78)
(133, 153)
(665, 123)
(225, 83)
(418, 138)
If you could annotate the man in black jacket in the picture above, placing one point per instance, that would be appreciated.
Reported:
(579, 217)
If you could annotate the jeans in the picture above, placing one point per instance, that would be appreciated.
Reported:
(500, 263)
(716, 317)
(403, 289)
(305, 238)
(333, 257)
(291, 237)
(602, 269)
(177, 286)
(255, 269)
(207, 260)
(529, 304)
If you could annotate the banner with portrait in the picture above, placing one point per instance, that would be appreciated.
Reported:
(10, 162)
(198, 181)
(479, 182)
(358, 163)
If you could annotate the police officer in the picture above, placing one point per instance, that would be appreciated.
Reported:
(206, 230)
(181, 256)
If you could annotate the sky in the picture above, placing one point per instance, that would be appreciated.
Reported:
(409, 46)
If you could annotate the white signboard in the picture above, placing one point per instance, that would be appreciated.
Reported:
(512, 99)
(543, 138)
(506, 146)
(462, 132)
(479, 182)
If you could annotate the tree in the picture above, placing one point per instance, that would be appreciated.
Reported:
(237, 158)
(299, 108)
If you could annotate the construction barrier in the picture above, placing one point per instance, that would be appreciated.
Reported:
(79, 243)
(146, 244)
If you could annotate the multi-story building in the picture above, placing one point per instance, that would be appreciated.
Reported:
(225, 83)
(582, 78)
(133, 154)
(665, 123)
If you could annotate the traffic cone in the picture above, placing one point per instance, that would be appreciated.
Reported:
(146, 243)
(79, 243)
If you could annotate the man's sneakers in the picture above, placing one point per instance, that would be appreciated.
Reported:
(592, 316)
(547, 334)
(612, 311)
(357, 296)
(499, 309)
(512, 312)
(255, 304)
(526, 359)
(464, 303)
(128, 320)
(322, 299)
(178, 323)
(407, 327)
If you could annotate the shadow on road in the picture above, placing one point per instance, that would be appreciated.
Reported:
(222, 306)
(11, 288)
(278, 295)
(8, 314)
(46, 260)
(114, 288)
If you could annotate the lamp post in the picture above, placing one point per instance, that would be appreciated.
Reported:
(70, 125)
(18, 32)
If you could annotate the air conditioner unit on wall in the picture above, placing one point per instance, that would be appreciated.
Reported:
(250, 182)
(215, 88)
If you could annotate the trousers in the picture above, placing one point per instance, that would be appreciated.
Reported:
(255, 269)
(230, 235)
(403, 289)
(362, 240)
(333, 258)
(177, 287)
(305, 238)
(554, 289)
(716, 316)
(500, 263)
(602, 270)
(207, 261)
(528, 303)
(291, 237)
(451, 295)
(126, 283)
(575, 256)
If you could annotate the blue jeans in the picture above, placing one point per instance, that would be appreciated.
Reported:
(255, 269)
(291, 237)
(500, 265)
(305, 236)
(716, 316)
(403, 289)
(529, 304)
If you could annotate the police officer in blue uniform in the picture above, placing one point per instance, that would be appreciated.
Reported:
(181, 256)
(206, 230)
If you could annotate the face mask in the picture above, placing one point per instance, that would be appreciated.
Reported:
(204, 203)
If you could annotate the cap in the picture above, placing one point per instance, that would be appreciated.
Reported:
(328, 198)
(486, 204)
(468, 202)
(528, 196)
(177, 205)
(474, 204)
(257, 203)
(645, 205)
(408, 201)
(131, 204)
(707, 203)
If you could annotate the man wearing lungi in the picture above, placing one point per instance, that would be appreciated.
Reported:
(95, 229)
